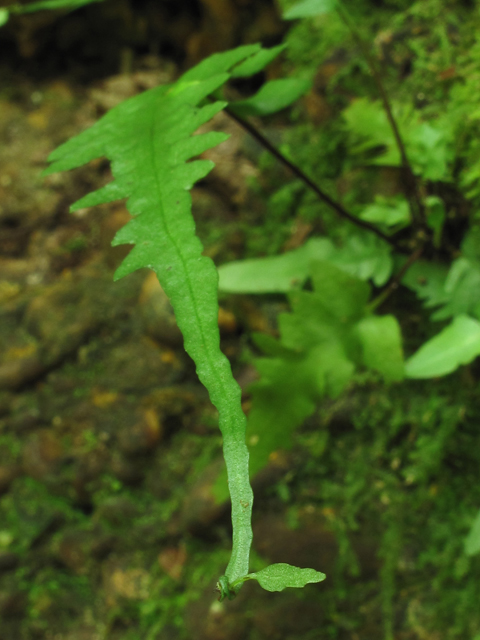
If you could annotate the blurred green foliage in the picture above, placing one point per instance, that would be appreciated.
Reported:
(413, 483)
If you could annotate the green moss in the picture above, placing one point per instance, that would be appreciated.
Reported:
(10, 448)
(29, 509)
(396, 468)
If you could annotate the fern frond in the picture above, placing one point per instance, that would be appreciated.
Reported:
(149, 141)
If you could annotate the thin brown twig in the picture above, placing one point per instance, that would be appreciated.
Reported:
(245, 124)
(395, 281)
(411, 189)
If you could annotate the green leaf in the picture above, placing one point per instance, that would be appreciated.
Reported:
(149, 141)
(457, 344)
(471, 244)
(278, 577)
(322, 340)
(366, 257)
(470, 179)
(459, 269)
(333, 371)
(273, 96)
(219, 63)
(50, 5)
(430, 150)
(427, 279)
(278, 274)
(429, 146)
(4, 16)
(309, 8)
(271, 346)
(369, 130)
(387, 212)
(472, 541)
(362, 256)
(462, 286)
(436, 217)
(314, 359)
(286, 394)
(345, 297)
(257, 62)
(312, 322)
(381, 342)
(455, 291)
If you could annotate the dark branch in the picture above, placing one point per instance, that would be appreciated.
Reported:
(308, 182)
(410, 183)
(395, 281)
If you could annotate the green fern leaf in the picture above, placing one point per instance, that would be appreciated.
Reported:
(278, 577)
(310, 8)
(51, 5)
(149, 141)
(273, 96)
(257, 62)
(329, 333)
